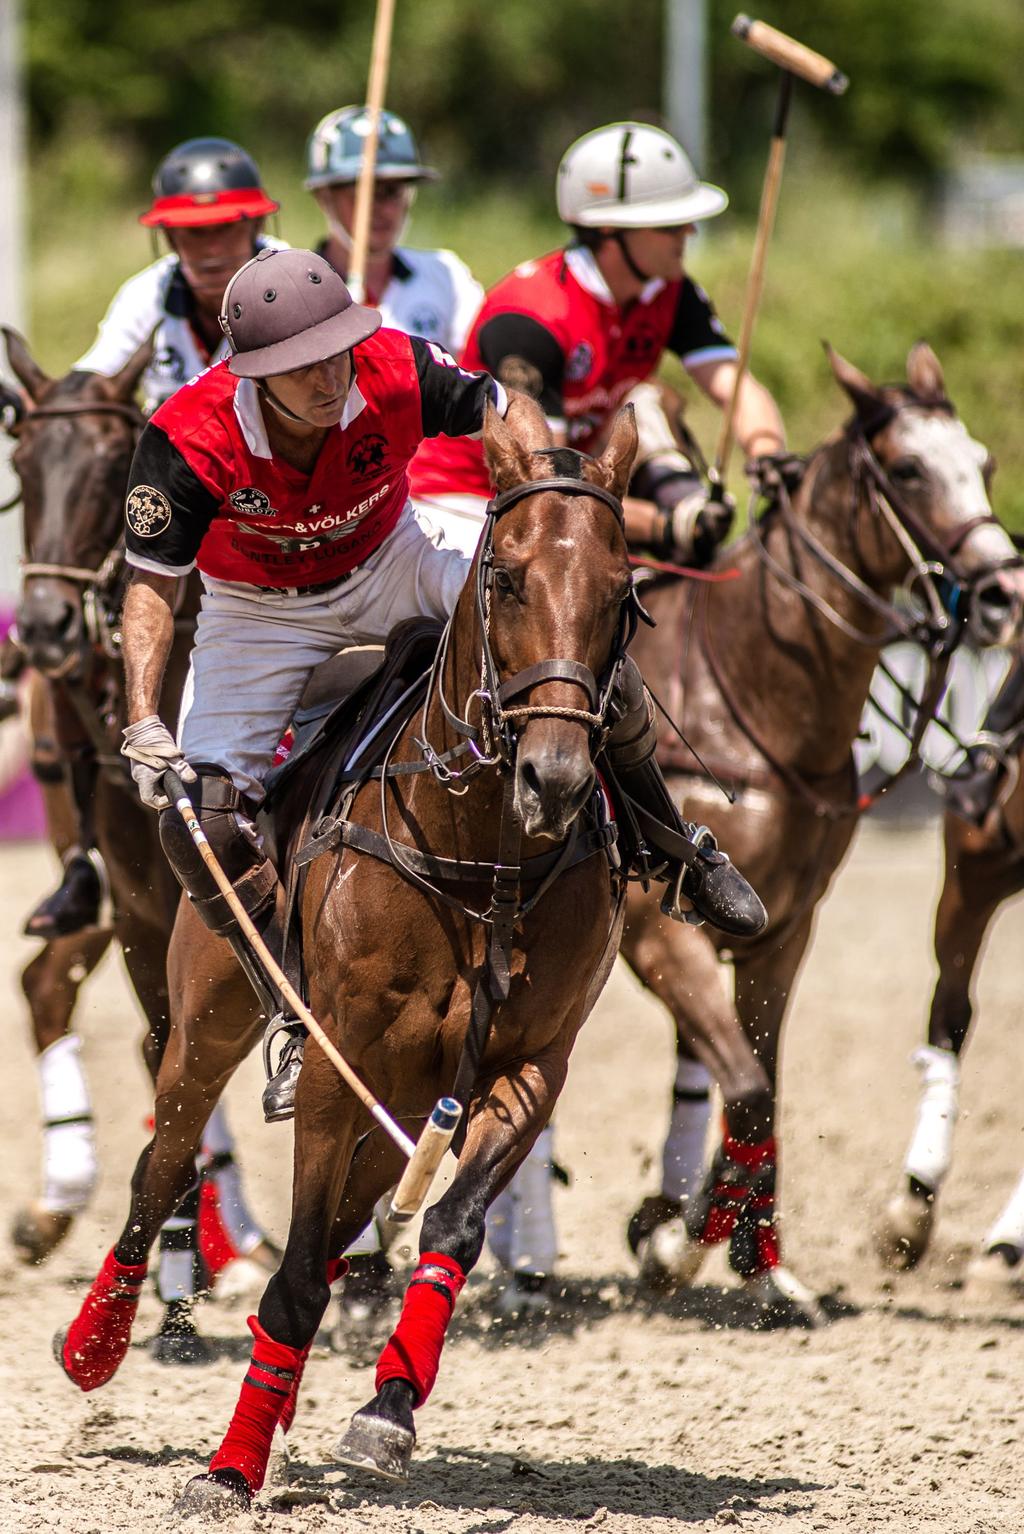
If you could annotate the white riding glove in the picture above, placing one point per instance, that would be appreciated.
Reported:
(699, 522)
(152, 749)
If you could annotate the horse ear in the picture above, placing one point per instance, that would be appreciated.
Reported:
(924, 372)
(122, 385)
(24, 366)
(507, 456)
(866, 396)
(617, 458)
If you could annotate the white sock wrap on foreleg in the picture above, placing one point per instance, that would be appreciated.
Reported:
(69, 1138)
(931, 1148)
(1008, 1228)
(521, 1221)
(218, 1142)
(683, 1159)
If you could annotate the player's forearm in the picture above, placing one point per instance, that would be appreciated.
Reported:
(759, 427)
(148, 633)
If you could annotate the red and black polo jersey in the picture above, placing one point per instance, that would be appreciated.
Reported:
(205, 488)
(552, 329)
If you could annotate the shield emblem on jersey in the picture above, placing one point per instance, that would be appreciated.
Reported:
(251, 502)
(579, 361)
(147, 511)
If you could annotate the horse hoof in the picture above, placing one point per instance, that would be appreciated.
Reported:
(904, 1231)
(997, 1274)
(669, 1258)
(36, 1232)
(57, 1345)
(177, 1341)
(239, 1279)
(784, 1301)
(222, 1494)
(376, 1445)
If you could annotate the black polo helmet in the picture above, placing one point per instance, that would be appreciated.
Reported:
(206, 181)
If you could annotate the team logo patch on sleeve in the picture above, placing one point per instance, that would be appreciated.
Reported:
(251, 502)
(147, 511)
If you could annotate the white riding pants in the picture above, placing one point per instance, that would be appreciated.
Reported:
(255, 649)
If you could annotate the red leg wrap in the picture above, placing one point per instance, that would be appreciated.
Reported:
(273, 1370)
(337, 1267)
(414, 1350)
(98, 1337)
(215, 1245)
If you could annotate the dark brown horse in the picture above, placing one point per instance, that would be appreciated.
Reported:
(73, 450)
(768, 675)
(984, 866)
(392, 964)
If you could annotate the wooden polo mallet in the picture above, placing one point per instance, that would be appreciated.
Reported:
(380, 58)
(425, 1154)
(795, 62)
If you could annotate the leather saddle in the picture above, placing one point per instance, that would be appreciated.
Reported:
(351, 696)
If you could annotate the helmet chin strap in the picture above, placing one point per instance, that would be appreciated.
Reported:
(264, 391)
(341, 234)
(619, 236)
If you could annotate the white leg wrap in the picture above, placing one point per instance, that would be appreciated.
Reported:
(245, 1234)
(175, 1276)
(931, 1148)
(521, 1221)
(366, 1243)
(1008, 1229)
(69, 1140)
(683, 1159)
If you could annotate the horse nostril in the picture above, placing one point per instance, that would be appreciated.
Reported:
(531, 778)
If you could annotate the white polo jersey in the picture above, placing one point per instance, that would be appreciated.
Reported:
(156, 302)
(431, 294)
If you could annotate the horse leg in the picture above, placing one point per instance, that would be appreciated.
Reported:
(503, 1127)
(682, 969)
(998, 1266)
(327, 1122)
(743, 1177)
(51, 983)
(521, 1231)
(214, 1024)
(979, 875)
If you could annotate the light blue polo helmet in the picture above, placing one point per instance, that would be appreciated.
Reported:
(334, 153)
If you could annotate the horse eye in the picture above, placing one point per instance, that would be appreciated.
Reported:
(503, 582)
(907, 471)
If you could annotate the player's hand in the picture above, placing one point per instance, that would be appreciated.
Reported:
(699, 523)
(152, 749)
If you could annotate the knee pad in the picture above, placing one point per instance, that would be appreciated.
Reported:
(634, 735)
(224, 814)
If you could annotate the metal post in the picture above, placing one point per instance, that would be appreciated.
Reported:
(12, 311)
(685, 89)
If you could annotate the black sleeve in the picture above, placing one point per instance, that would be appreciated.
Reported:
(168, 508)
(696, 327)
(522, 354)
(452, 399)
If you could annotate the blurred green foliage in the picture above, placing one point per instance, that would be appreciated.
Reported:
(497, 94)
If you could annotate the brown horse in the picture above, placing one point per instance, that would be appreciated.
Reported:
(73, 450)
(984, 866)
(392, 960)
(768, 675)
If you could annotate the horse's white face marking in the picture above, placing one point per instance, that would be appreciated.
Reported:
(955, 460)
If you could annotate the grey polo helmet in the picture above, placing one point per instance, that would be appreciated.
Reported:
(288, 309)
(334, 153)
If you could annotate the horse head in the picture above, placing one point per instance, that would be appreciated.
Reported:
(74, 442)
(557, 584)
(922, 465)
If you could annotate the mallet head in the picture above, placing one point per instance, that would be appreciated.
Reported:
(788, 54)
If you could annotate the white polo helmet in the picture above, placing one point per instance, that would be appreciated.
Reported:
(632, 176)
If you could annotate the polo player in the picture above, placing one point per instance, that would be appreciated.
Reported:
(586, 327)
(427, 293)
(260, 473)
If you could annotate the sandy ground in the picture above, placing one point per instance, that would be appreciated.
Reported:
(622, 1413)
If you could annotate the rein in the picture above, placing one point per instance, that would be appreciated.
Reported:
(934, 630)
(491, 744)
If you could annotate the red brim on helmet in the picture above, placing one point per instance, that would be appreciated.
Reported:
(193, 210)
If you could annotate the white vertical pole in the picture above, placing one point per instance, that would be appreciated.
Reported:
(685, 77)
(12, 251)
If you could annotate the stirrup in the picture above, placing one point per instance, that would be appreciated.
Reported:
(704, 840)
(279, 1092)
